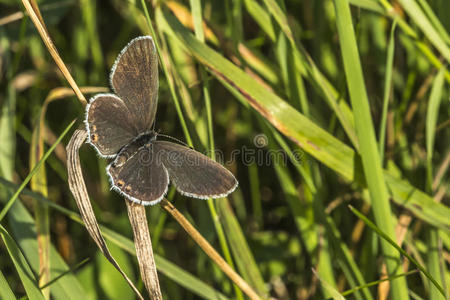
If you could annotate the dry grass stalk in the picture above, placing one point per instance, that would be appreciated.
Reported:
(209, 250)
(144, 250)
(34, 14)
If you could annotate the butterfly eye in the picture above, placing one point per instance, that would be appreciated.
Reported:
(94, 137)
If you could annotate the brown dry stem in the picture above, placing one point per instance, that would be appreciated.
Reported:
(209, 250)
(35, 16)
(144, 250)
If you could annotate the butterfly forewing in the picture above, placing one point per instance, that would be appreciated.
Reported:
(193, 173)
(134, 78)
(109, 124)
(138, 175)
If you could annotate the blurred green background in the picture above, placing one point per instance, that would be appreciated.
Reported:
(274, 74)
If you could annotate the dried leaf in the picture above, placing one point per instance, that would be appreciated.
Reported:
(79, 191)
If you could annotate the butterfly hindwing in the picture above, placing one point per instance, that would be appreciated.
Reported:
(194, 174)
(138, 175)
(108, 124)
(134, 78)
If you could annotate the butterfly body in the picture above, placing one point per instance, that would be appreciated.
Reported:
(120, 127)
(140, 143)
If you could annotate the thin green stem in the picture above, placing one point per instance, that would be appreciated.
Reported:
(169, 81)
(368, 148)
(377, 282)
(198, 21)
(433, 253)
(387, 92)
(386, 237)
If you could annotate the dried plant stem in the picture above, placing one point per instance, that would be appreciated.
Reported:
(209, 250)
(79, 191)
(35, 7)
(144, 250)
(35, 17)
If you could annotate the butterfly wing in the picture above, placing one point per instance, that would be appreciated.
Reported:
(134, 77)
(108, 124)
(138, 176)
(194, 174)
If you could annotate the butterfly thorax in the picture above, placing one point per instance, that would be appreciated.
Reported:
(142, 141)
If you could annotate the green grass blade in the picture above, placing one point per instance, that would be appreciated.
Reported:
(260, 15)
(240, 248)
(418, 16)
(71, 270)
(166, 72)
(7, 134)
(196, 8)
(33, 171)
(7, 153)
(419, 203)
(287, 54)
(332, 291)
(431, 121)
(111, 281)
(372, 5)
(377, 282)
(435, 21)
(280, 17)
(305, 217)
(387, 91)
(255, 194)
(302, 214)
(297, 158)
(397, 247)
(26, 275)
(198, 21)
(24, 231)
(5, 290)
(367, 142)
(88, 9)
(301, 63)
(433, 264)
(38, 183)
(346, 259)
(305, 220)
(187, 280)
(390, 11)
(433, 253)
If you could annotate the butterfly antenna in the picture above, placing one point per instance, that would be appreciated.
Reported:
(175, 139)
